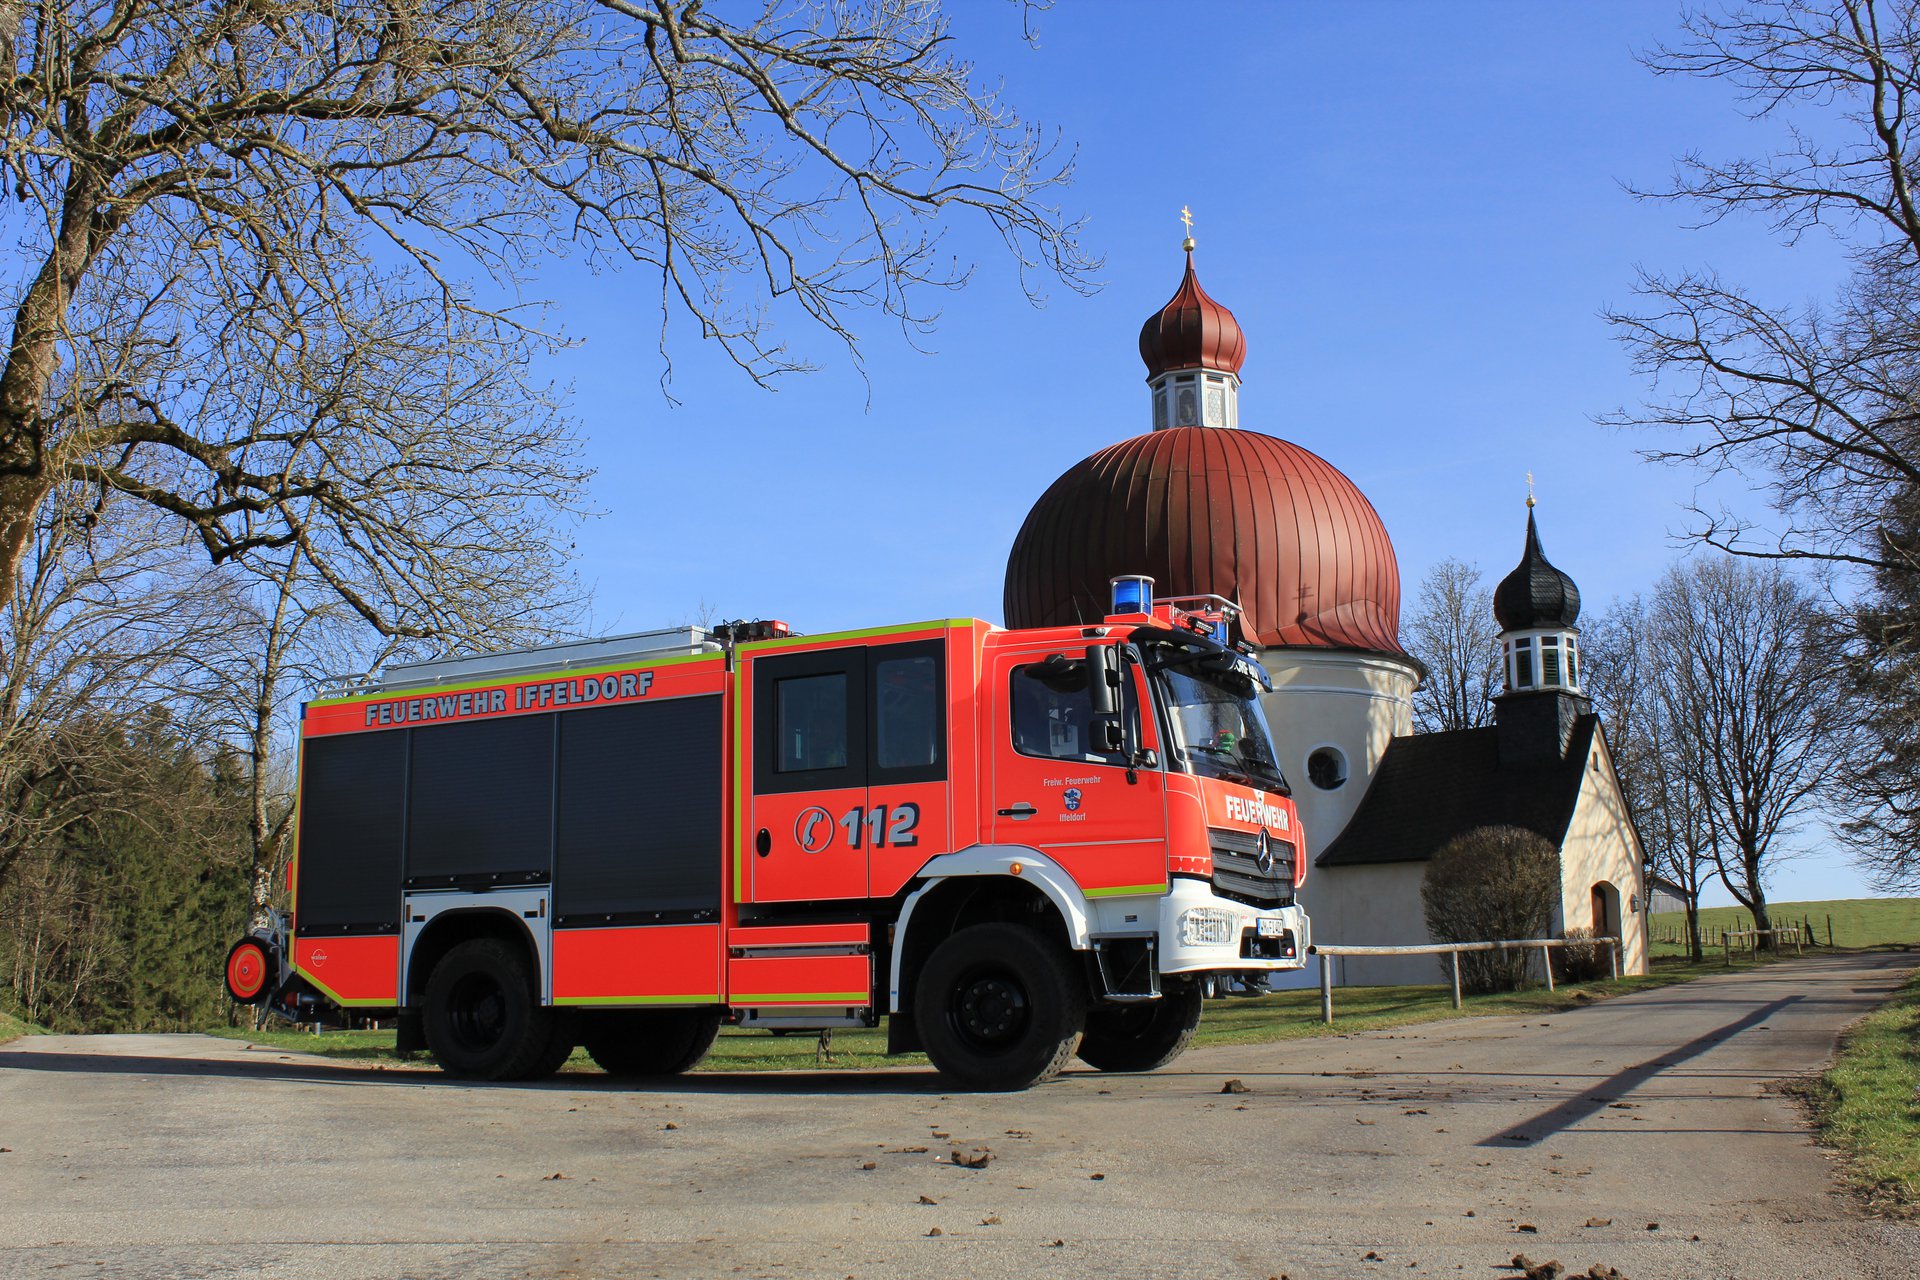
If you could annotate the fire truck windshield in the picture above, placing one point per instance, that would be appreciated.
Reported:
(1218, 727)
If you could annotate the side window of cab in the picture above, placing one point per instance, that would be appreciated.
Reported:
(1052, 713)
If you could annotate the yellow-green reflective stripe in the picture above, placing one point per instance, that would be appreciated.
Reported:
(527, 677)
(1122, 890)
(339, 999)
(713, 999)
(739, 792)
(802, 997)
(866, 633)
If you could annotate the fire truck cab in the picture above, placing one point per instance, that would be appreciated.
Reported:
(1015, 846)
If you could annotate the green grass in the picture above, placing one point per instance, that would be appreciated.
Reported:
(1857, 922)
(1284, 1016)
(1868, 1105)
(12, 1028)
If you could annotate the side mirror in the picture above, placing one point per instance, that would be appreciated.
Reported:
(1103, 679)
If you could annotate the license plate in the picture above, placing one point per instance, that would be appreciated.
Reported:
(1269, 928)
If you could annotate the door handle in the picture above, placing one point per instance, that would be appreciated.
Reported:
(763, 843)
(1020, 811)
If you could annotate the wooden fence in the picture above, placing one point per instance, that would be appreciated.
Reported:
(1453, 950)
(1716, 936)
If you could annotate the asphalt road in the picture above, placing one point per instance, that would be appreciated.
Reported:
(1441, 1150)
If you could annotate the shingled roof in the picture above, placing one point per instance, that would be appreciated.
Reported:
(1431, 787)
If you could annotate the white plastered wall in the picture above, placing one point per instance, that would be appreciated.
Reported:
(1374, 906)
(1601, 848)
(1357, 702)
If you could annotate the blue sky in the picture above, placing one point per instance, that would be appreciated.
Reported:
(1416, 212)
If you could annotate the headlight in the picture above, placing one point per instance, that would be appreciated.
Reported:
(1206, 927)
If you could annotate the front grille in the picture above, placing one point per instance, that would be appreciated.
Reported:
(1237, 874)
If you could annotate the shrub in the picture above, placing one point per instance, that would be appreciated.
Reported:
(1583, 959)
(1486, 885)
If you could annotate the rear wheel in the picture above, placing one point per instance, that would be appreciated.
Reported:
(482, 1017)
(1144, 1035)
(999, 1007)
(650, 1042)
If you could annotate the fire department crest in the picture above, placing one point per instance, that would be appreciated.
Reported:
(1072, 798)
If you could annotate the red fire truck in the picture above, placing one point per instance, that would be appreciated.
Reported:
(1017, 845)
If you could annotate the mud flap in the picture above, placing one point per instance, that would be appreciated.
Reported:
(902, 1035)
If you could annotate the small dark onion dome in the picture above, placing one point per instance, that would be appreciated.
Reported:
(1535, 594)
(1202, 510)
(1192, 332)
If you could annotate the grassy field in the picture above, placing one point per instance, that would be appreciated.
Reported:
(1857, 922)
(11, 1028)
(1868, 1105)
(1284, 1016)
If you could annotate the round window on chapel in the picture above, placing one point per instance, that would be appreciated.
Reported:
(1327, 768)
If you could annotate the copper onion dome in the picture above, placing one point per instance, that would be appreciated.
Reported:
(1192, 332)
(1535, 594)
(1203, 510)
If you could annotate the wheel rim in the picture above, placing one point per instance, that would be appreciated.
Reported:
(477, 1012)
(246, 971)
(989, 1008)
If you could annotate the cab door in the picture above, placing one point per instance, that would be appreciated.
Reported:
(1057, 789)
(850, 789)
(807, 808)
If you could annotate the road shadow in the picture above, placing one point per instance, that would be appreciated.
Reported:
(1532, 1132)
(901, 1082)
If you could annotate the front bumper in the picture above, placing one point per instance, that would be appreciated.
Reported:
(1197, 931)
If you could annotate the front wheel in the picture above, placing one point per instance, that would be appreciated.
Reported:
(650, 1042)
(999, 1007)
(1145, 1035)
(483, 1018)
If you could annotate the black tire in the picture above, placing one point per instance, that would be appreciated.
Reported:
(1145, 1035)
(636, 1043)
(999, 1007)
(483, 1019)
(562, 1038)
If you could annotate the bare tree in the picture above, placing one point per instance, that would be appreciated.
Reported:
(1747, 708)
(269, 256)
(111, 621)
(1674, 826)
(1882, 665)
(1452, 630)
(1616, 673)
(1621, 670)
(1812, 403)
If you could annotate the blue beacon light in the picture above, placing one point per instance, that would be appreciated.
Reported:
(1132, 594)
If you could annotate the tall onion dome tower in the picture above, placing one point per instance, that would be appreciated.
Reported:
(1536, 606)
(1204, 506)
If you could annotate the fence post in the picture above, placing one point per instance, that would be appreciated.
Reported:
(1546, 961)
(1455, 956)
(1796, 940)
(1726, 949)
(1326, 990)
(1829, 932)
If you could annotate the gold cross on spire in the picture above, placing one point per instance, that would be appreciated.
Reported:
(1186, 220)
(1529, 490)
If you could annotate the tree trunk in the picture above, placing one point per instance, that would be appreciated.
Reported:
(1694, 949)
(1762, 921)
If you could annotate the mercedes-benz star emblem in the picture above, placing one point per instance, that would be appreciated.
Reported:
(1264, 857)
